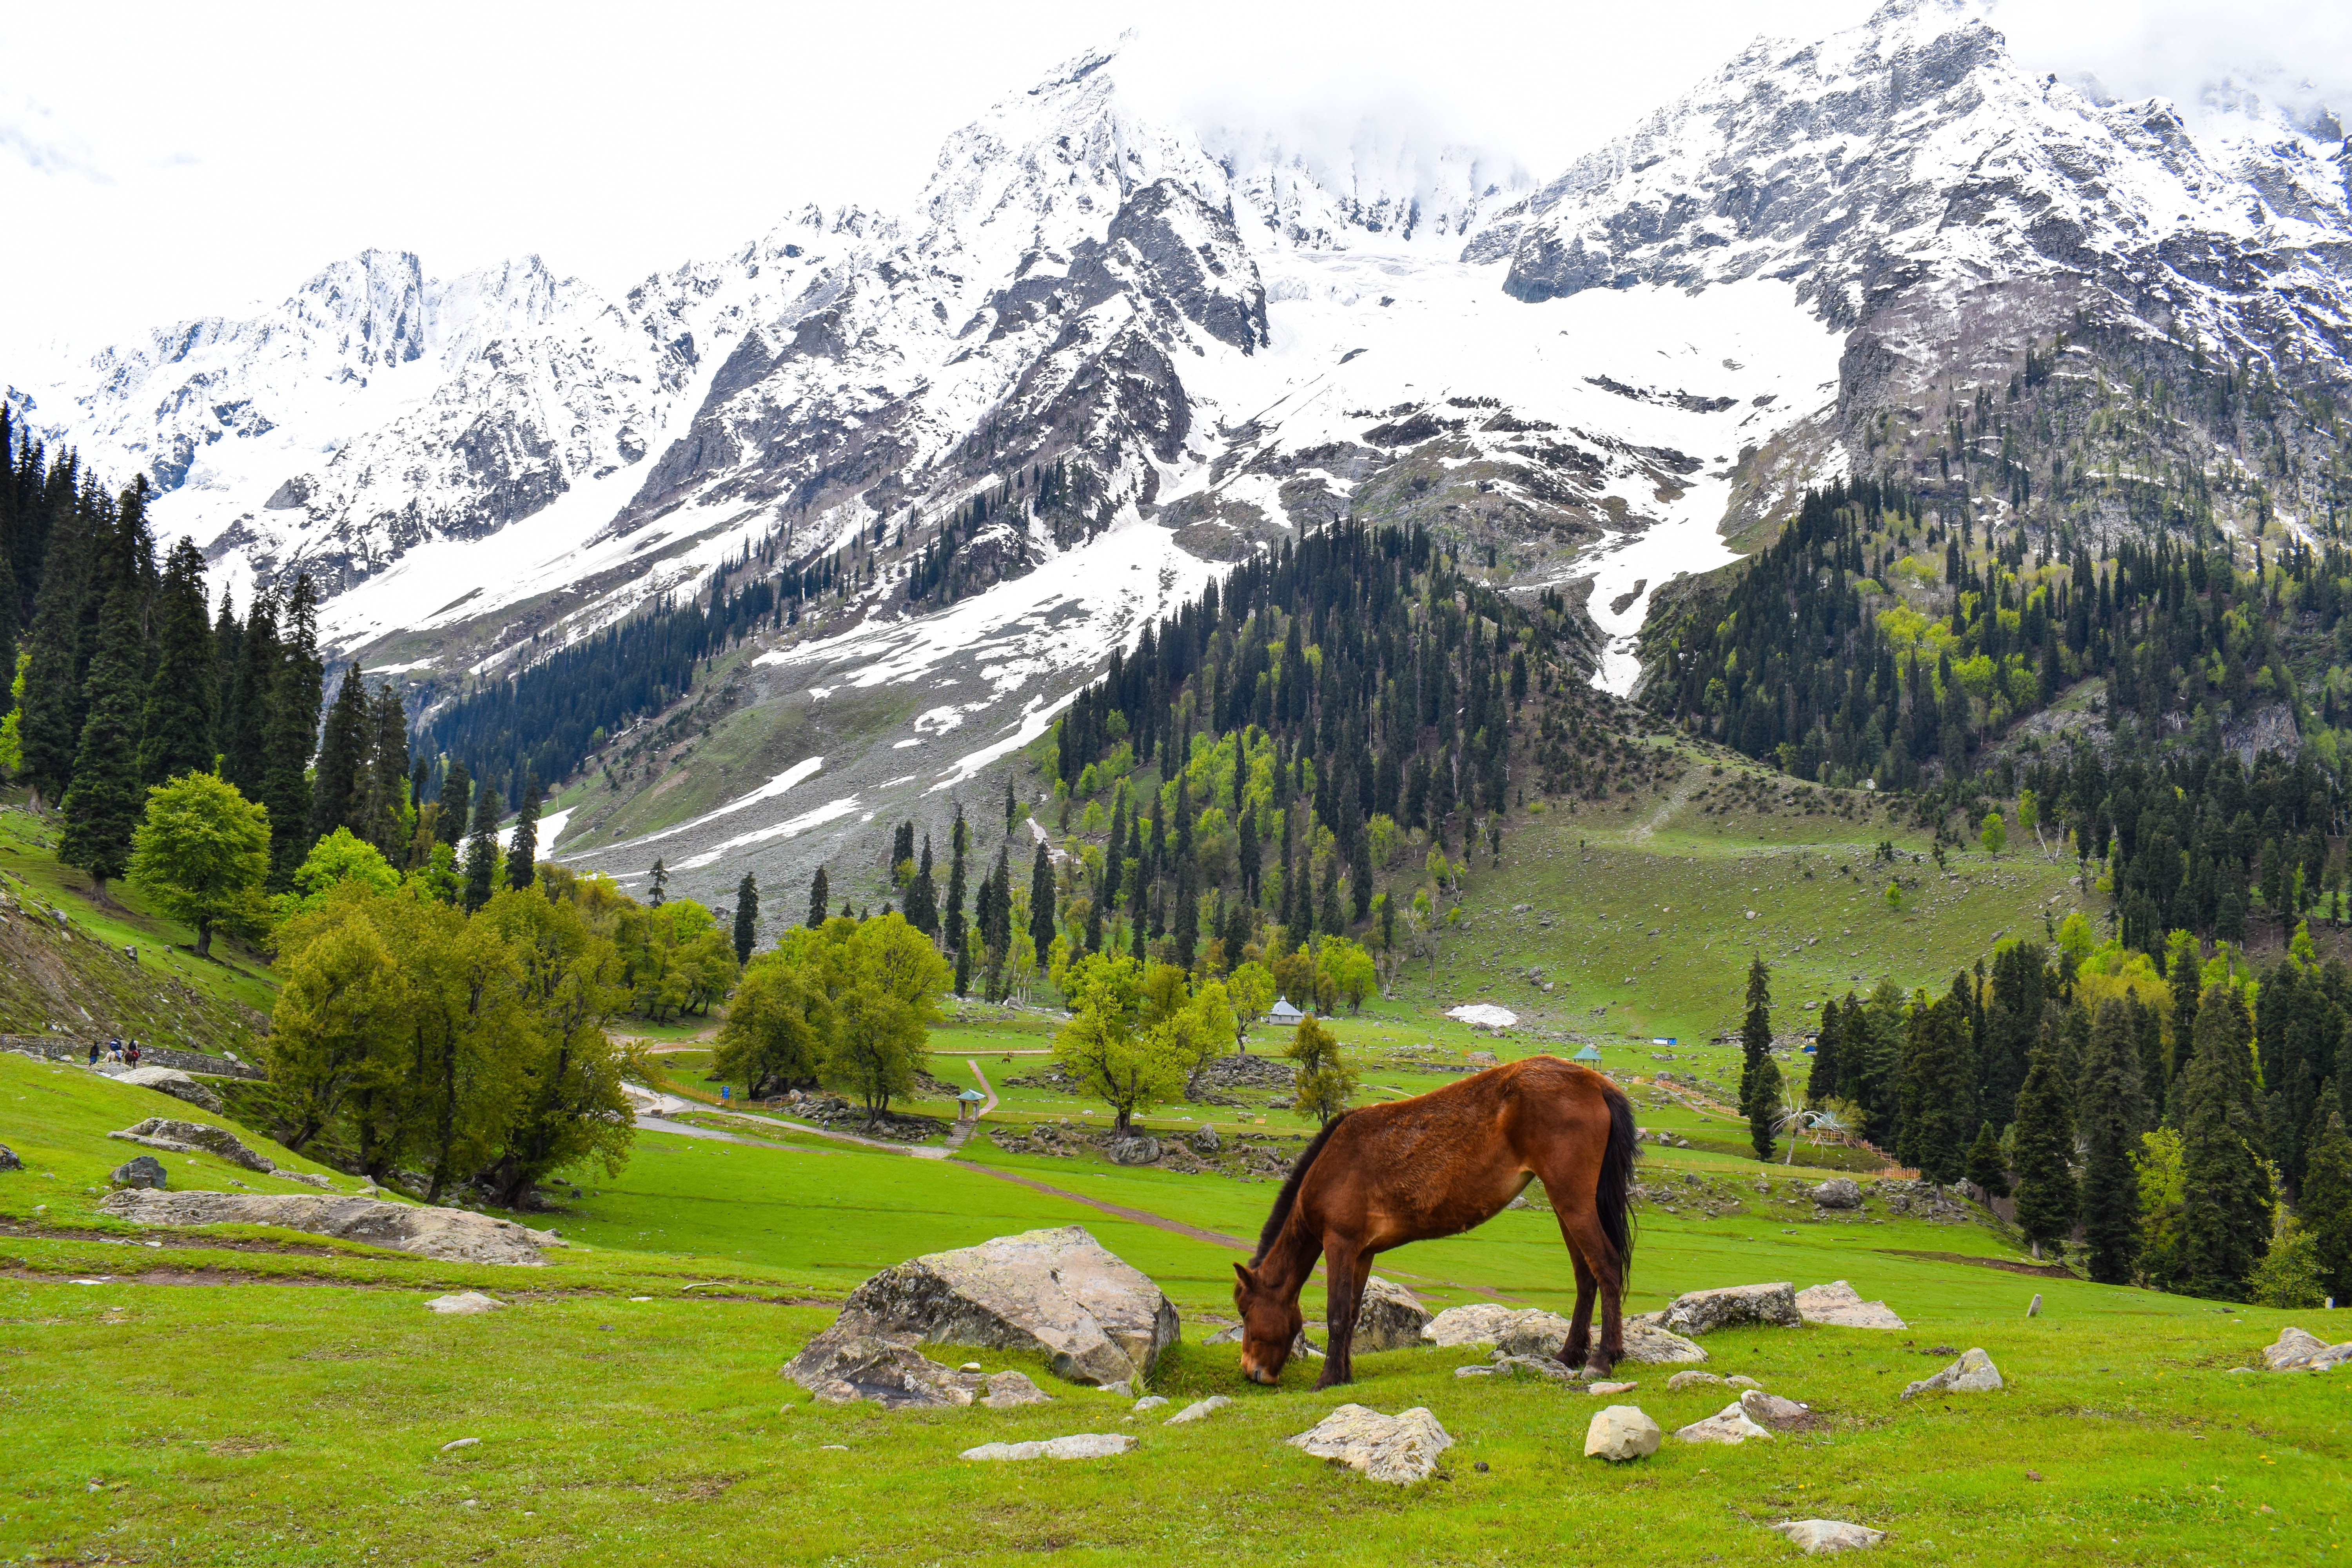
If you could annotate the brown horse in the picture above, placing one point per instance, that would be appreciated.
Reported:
(1437, 1165)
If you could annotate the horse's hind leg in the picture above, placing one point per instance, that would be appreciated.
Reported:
(1581, 1223)
(1579, 1328)
(1343, 1298)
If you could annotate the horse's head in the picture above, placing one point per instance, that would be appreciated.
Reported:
(1271, 1322)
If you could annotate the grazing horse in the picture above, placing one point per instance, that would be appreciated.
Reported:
(1437, 1165)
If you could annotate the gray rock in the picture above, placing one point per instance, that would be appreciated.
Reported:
(1819, 1537)
(140, 1171)
(1620, 1433)
(174, 1082)
(1839, 1305)
(1839, 1193)
(1729, 1424)
(1654, 1346)
(1392, 1317)
(1149, 1401)
(1078, 1446)
(465, 1304)
(1532, 1331)
(175, 1137)
(451, 1235)
(1683, 1380)
(1059, 1292)
(1481, 1322)
(1136, 1149)
(1734, 1306)
(846, 1368)
(9, 1160)
(1771, 1411)
(1199, 1410)
(461, 1443)
(1606, 1389)
(1972, 1374)
(1473, 1372)
(1741, 1380)
(1009, 1390)
(1205, 1142)
(2298, 1350)
(2033, 1307)
(1546, 1367)
(1400, 1449)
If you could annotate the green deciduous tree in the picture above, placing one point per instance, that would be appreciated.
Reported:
(1108, 1045)
(779, 1026)
(1323, 1081)
(201, 853)
(340, 856)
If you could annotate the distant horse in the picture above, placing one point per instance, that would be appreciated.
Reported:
(1437, 1164)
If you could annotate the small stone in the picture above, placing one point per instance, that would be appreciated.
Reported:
(1729, 1424)
(1741, 1380)
(1473, 1372)
(464, 1303)
(1149, 1401)
(969, 1366)
(1009, 1390)
(140, 1171)
(1199, 1410)
(1399, 1449)
(1080, 1445)
(1612, 1388)
(1972, 1374)
(2033, 1307)
(1620, 1433)
(1683, 1380)
(1544, 1366)
(9, 1160)
(461, 1443)
(1122, 1388)
(1819, 1537)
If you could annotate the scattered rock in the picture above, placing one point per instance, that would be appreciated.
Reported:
(1481, 1322)
(1149, 1401)
(2033, 1307)
(1654, 1346)
(1839, 1193)
(1683, 1380)
(1399, 1449)
(1839, 1305)
(140, 1172)
(450, 1236)
(1774, 1412)
(174, 1082)
(1531, 1331)
(1729, 1424)
(1008, 1390)
(465, 1303)
(2297, 1351)
(1207, 1141)
(1473, 1372)
(1972, 1374)
(1821, 1537)
(1392, 1317)
(1605, 1388)
(9, 1160)
(190, 1137)
(1059, 1292)
(1545, 1366)
(1080, 1445)
(1122, 1388)
(1741, 1380)
(845, 1368)
(1734, 1306)
(1136, 1149)
(1199, 1410)
(1620, 1433)
(461, 1443)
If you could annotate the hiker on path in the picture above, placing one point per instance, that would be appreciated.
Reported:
(94, 1049)
(131, 1056)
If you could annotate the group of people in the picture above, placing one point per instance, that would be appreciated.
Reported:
(115, 1050)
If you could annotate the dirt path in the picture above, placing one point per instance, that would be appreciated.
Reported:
(967, 1125)
(1666, 808)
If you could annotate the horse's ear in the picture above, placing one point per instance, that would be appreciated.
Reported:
(1248, 1279)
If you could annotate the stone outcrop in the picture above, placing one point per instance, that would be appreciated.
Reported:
(175, 1137)
(1078, 1446)
(1400, 1449)
(1821, 1537)
(1732, 1307)
(2299, 1351)
(174, 1082)
(1839, 1305)
(1620, 1433)
(1392, 1317)
(1972, 1374)
(140, 1171)
(451, 1235)
(1059, 1292)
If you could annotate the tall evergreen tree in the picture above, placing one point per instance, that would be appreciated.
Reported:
(2047, 1200)
(1938, 1091)
(457, 803)
(922, 896)
(2110, 1113)
(49, 730)
(104, 804)
(1986, 1168)
(1821, 1080)
(245, 724)
(336, 783)
(1759, 1087)
(522, 851)
(820, 899)
(385, 793)
(176, 729)
(482, 850)
(1041, 903)
(292, 735)
(996, 912)
(2327, 1207)
(952, 923)
(2225, 1188)
(228, 643)
(747, 918)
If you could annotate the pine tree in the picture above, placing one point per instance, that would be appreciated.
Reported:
(482, 850)
(747, 918)
(293, 732)
(996, 909)
(1186, 920)
(1757, 1100)
(951, 924)
(658, 894)
(922, 896)
(1011, 806)
(1041, 903)
(177, 728)
(228, 644)
(1985, 1166)
(49, 729)
(2047, 1201)
(245, 724)
(457, 803)
(1821, 1081)
(389, 785)
(2109, 1117)
(1940, 1090)
(2226, 1199)
(820, 898)
(522, 852)
(2327, 1207)
(104, 804)
(335, 782)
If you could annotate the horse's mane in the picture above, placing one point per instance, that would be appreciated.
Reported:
(1290, 1193)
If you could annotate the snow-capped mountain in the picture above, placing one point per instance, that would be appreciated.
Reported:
(1211, 340)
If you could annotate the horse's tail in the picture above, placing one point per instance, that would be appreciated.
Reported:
(1613, 1197)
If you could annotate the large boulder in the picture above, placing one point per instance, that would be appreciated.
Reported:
(451, 1235)
(1009, 1390)
(1400, 1449)
(1620, 1433)
(1654, 1346)
(2297, 1351)
(1839, 1305)
(1479, 1323)
(1392, 1317)
(1732, 1307)
(1972, 1374)
(847, 1368)
(1059, 1292)
(174, 1082)
(175, 1136)
(1822, 1537)
(1135, 1149)
(1839, 1193)
(140, 1172)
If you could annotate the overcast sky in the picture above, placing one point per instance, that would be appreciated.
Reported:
(163, 162)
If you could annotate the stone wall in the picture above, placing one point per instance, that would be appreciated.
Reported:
(65, 1048)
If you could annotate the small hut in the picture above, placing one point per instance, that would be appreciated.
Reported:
(1282, 1013)
(968, 1104)
(1589, 1054)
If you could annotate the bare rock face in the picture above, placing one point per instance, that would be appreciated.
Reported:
(175, 1136)
(452, 1236)
(1059, 1292)
(1972, 1374)
(845, 1368)
(1734, 1306)
(174, 1082)
(2298, 1350)
(1620, 1433)
(1821, 1537)
(1391, 1318)
(1839, 1305)
(1400, 1449)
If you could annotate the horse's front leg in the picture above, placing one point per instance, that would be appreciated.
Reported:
(1343, 1277)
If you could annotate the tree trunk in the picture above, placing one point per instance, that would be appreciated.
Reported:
(203, 939)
